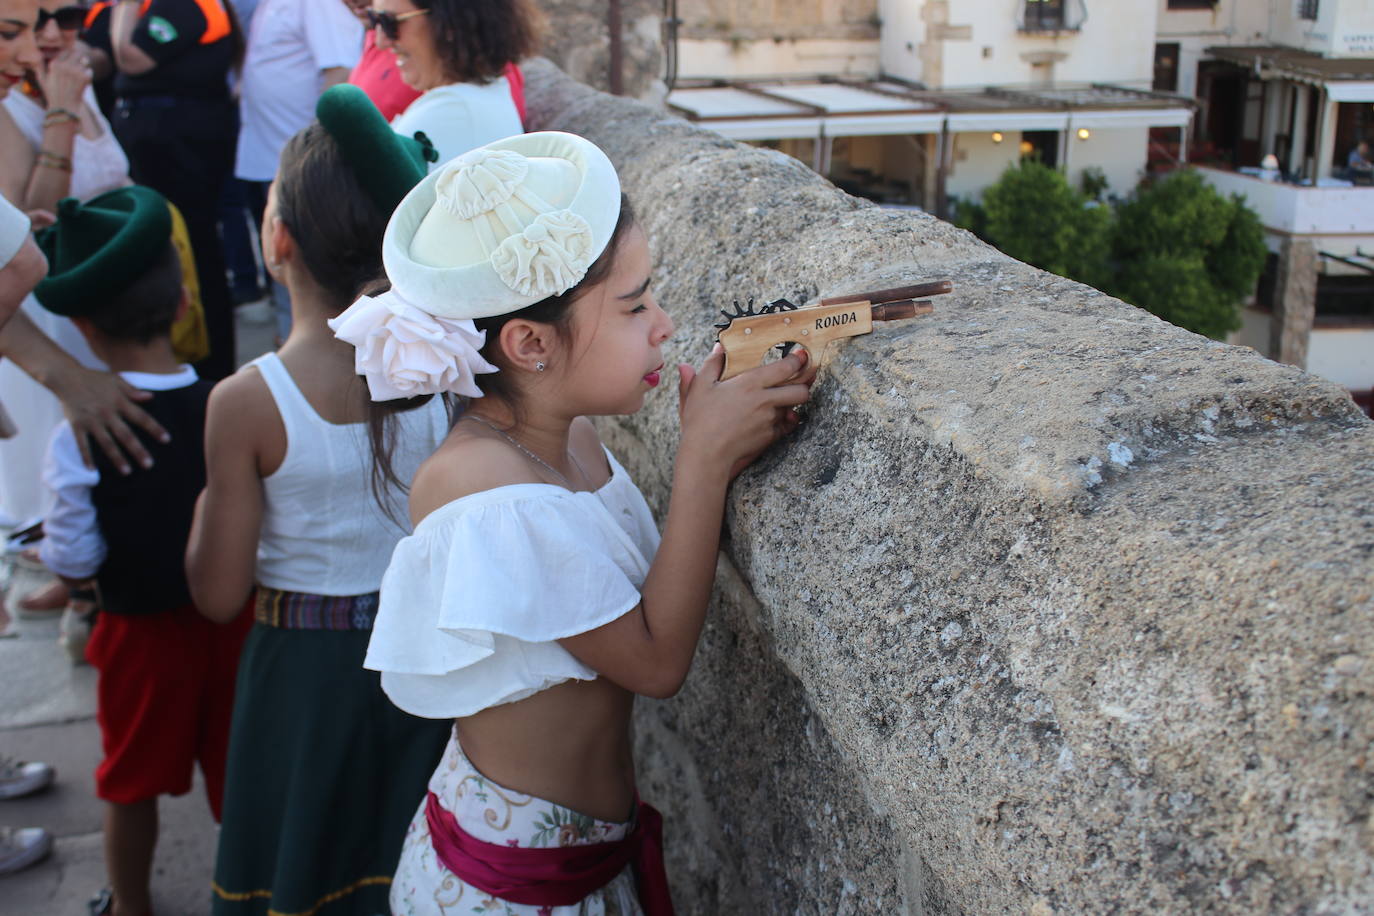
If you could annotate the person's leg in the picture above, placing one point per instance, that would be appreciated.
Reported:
(238, 243)
(130, 837)
(147, 732)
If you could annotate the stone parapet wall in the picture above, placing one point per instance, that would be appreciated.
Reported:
(578, 40)
(1048, 607)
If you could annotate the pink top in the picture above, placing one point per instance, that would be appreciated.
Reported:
(376, 75)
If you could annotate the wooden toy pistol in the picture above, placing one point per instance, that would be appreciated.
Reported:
(748, 335)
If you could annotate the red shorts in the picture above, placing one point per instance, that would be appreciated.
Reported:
(163, 701)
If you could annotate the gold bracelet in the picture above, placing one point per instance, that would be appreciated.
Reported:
(54, 161)
(59, 116)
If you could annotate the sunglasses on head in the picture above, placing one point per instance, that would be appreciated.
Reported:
(69, 18)
(389, 23)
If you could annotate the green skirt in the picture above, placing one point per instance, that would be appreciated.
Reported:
(324, 775)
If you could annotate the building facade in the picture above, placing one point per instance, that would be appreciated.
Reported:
(920, 103)
(1286, 94)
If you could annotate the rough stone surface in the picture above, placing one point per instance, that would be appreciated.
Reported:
(578, 40)
(1048, 607)
(779, 20)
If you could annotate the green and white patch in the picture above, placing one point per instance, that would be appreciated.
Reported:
(161, 30)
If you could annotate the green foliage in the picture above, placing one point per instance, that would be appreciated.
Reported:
(1093, 183)
(1034, 216)
(1188, 254)
(1178, 248)
(970, 215)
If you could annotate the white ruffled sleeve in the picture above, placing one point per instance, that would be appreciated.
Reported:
(474, 600)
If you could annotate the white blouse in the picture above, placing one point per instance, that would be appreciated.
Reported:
(461, 116)
(474, 600)
(98, 165)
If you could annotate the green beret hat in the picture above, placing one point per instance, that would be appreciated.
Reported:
(102, 247)
(386, 164)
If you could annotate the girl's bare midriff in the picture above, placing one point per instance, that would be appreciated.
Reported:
(569, 744)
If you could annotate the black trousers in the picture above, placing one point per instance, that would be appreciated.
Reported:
(183, 148)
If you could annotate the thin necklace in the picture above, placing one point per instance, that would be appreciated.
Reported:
(516, 442)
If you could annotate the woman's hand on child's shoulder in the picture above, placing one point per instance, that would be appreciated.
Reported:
(727, 424)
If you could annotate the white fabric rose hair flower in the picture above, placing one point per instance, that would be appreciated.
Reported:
(404, 352)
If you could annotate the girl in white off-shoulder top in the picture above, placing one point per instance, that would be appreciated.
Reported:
(535, 599)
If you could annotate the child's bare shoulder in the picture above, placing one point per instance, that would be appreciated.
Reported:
(463, 465)
(241, 417)
(242, 398)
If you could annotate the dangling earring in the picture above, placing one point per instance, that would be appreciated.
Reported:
(539, 366)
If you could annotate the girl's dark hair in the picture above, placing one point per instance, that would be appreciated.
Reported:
(333, 220)
(475, 39)
(338, 230)
(555, 311)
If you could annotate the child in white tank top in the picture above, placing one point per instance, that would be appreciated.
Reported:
(323, 771)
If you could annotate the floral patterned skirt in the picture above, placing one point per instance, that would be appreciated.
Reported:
(495, 814)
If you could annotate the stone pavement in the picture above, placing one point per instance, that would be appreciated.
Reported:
(47, 712)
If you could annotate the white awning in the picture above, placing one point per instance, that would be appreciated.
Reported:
(1008, 120)
(730, 102)
(799, 110)
(1133, 117)
(870, 125)
(1351, 91)
(765, 128)
(787, 111)
(838, 98)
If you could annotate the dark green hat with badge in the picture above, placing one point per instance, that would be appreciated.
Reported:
(386, 164)
(99, 249)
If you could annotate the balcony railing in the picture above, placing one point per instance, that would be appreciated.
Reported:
(1050, 15)
(1300, 209)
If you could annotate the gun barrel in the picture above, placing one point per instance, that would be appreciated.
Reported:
(919, 291)
(905, 308)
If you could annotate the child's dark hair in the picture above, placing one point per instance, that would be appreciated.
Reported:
(555, 311)
(338, 229)
(334, 222)
(146, 310)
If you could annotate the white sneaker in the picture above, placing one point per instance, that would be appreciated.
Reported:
(19, 778)
(21, 847)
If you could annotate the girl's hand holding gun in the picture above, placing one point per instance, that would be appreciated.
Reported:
(727, 424)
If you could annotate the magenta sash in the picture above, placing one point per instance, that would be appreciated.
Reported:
(559, 875)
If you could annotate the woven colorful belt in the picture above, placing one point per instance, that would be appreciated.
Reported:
(302, 611)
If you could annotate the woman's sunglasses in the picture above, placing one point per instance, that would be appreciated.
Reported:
(69, 18)
(389, 23)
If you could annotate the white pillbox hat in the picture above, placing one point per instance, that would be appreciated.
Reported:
(495, 230)
(503, 226)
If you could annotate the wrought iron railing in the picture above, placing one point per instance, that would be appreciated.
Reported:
(1050, 15)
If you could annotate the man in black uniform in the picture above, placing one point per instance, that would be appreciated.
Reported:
(177, 123)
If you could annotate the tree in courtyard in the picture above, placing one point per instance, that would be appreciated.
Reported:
(1186, 253)
(1033, 215)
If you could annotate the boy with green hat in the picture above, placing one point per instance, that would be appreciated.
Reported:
(166, 685)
